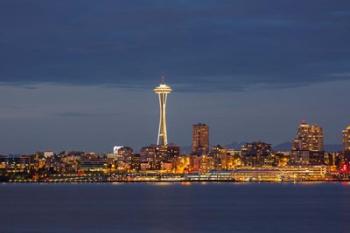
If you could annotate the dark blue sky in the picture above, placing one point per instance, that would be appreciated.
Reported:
(79, 74)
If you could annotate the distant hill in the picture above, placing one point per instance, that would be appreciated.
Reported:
(235, 145)
(283, 146)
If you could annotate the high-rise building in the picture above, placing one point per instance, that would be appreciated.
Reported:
(346, 139)
(162, 91)
(307, 146)
(308, 138)
(200, 139)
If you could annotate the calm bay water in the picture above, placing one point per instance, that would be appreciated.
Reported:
(142, 208)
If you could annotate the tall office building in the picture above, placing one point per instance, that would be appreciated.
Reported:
(200, 139)
(308, 138)
(307, 146)
(346, 139)
(162, 91)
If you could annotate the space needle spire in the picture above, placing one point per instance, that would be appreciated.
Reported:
(162, 91)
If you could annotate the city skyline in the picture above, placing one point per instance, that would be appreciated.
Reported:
(79, 77)
(200, 132)
(174, 116)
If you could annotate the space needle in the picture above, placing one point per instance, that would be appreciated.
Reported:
(162, 91)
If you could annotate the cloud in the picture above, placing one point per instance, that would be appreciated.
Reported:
(206, 46)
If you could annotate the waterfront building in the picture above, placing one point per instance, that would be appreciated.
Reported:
(274, 174)
(162, 91)
(200, 139)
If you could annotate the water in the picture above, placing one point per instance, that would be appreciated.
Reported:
(143, 208)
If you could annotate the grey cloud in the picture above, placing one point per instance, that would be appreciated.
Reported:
(200, 45)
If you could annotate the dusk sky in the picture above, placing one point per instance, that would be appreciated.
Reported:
(78, 75)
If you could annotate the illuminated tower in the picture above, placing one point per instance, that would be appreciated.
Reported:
(162, 91)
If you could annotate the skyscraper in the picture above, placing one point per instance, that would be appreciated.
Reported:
(200, 139)
(346, 139)
(307, 146)
(308, 138)
(162, 91)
